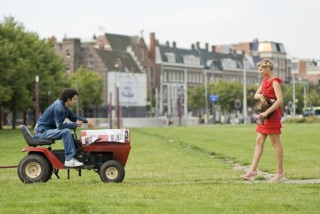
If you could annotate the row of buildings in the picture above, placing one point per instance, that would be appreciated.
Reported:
(151, 79)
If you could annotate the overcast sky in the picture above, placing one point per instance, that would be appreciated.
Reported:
(294, 23)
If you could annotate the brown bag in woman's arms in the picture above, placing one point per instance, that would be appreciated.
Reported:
(261, 107)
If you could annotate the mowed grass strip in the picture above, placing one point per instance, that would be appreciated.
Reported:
(301, 144)
(172, 170)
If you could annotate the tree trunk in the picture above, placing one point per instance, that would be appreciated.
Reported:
(1, 118)
(14, 113)
(25, 118)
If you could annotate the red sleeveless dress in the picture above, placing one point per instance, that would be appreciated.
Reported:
(272, 125)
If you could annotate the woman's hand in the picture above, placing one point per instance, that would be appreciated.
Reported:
(263, 98)
(263, 115)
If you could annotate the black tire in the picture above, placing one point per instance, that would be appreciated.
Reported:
(34, 168)
(111, 171)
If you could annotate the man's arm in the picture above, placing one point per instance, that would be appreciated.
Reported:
(75, 118)
(59, 117)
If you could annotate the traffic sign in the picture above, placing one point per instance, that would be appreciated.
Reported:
(214, 98)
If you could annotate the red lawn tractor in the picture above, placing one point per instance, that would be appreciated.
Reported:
(107, 158)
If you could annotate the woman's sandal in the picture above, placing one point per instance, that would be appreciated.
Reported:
(249, 176)
(277, 177)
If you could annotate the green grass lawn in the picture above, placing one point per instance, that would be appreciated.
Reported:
(175, 170)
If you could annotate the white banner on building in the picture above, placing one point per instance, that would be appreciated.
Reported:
(132, 88)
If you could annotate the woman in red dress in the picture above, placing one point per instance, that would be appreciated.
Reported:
(271, 126)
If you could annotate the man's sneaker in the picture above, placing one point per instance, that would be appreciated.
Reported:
(72, 163)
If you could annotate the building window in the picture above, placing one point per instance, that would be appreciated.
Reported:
(229, 63)
(90, 61)
(192, 60)
(190, 77)
(174, 76)
(68, 53)
(151, 76)
(165, 76)
(171, 57)
(68, 69)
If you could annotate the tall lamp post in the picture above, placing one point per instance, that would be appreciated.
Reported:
(293, 94)
(251, 106)
(205, 71)
(179, 107)
(245, 111)
(110, 111)
(118, 104)
(36, 99)
(311, 105)
(209, 68)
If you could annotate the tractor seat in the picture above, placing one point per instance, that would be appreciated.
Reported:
(31, 141)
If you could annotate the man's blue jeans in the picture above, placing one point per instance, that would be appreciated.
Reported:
(65, 135)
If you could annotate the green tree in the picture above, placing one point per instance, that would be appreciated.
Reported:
(196, 97)
(227, 92)
(24, 56)
(89, 85)
(287, 91)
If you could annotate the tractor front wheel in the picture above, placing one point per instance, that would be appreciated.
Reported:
(34, 168)
(111, 171)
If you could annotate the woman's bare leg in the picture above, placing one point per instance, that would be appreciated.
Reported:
(260, 140)
(276, 143)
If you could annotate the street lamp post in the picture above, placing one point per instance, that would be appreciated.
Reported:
(77, 102)
(293, 94)
(49, 97)
(118, 105)
(209, 69)
(304, 95)
(206, 93)
(251, 106)
(110, 111)
(179, 107)
(245, 112)
(37, 99)
(311, 106)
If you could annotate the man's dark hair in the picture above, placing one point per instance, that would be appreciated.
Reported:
(67, 94)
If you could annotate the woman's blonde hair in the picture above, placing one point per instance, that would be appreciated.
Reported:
(266, 63)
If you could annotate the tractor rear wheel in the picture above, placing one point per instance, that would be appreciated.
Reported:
(111, 171)
(34, 168)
